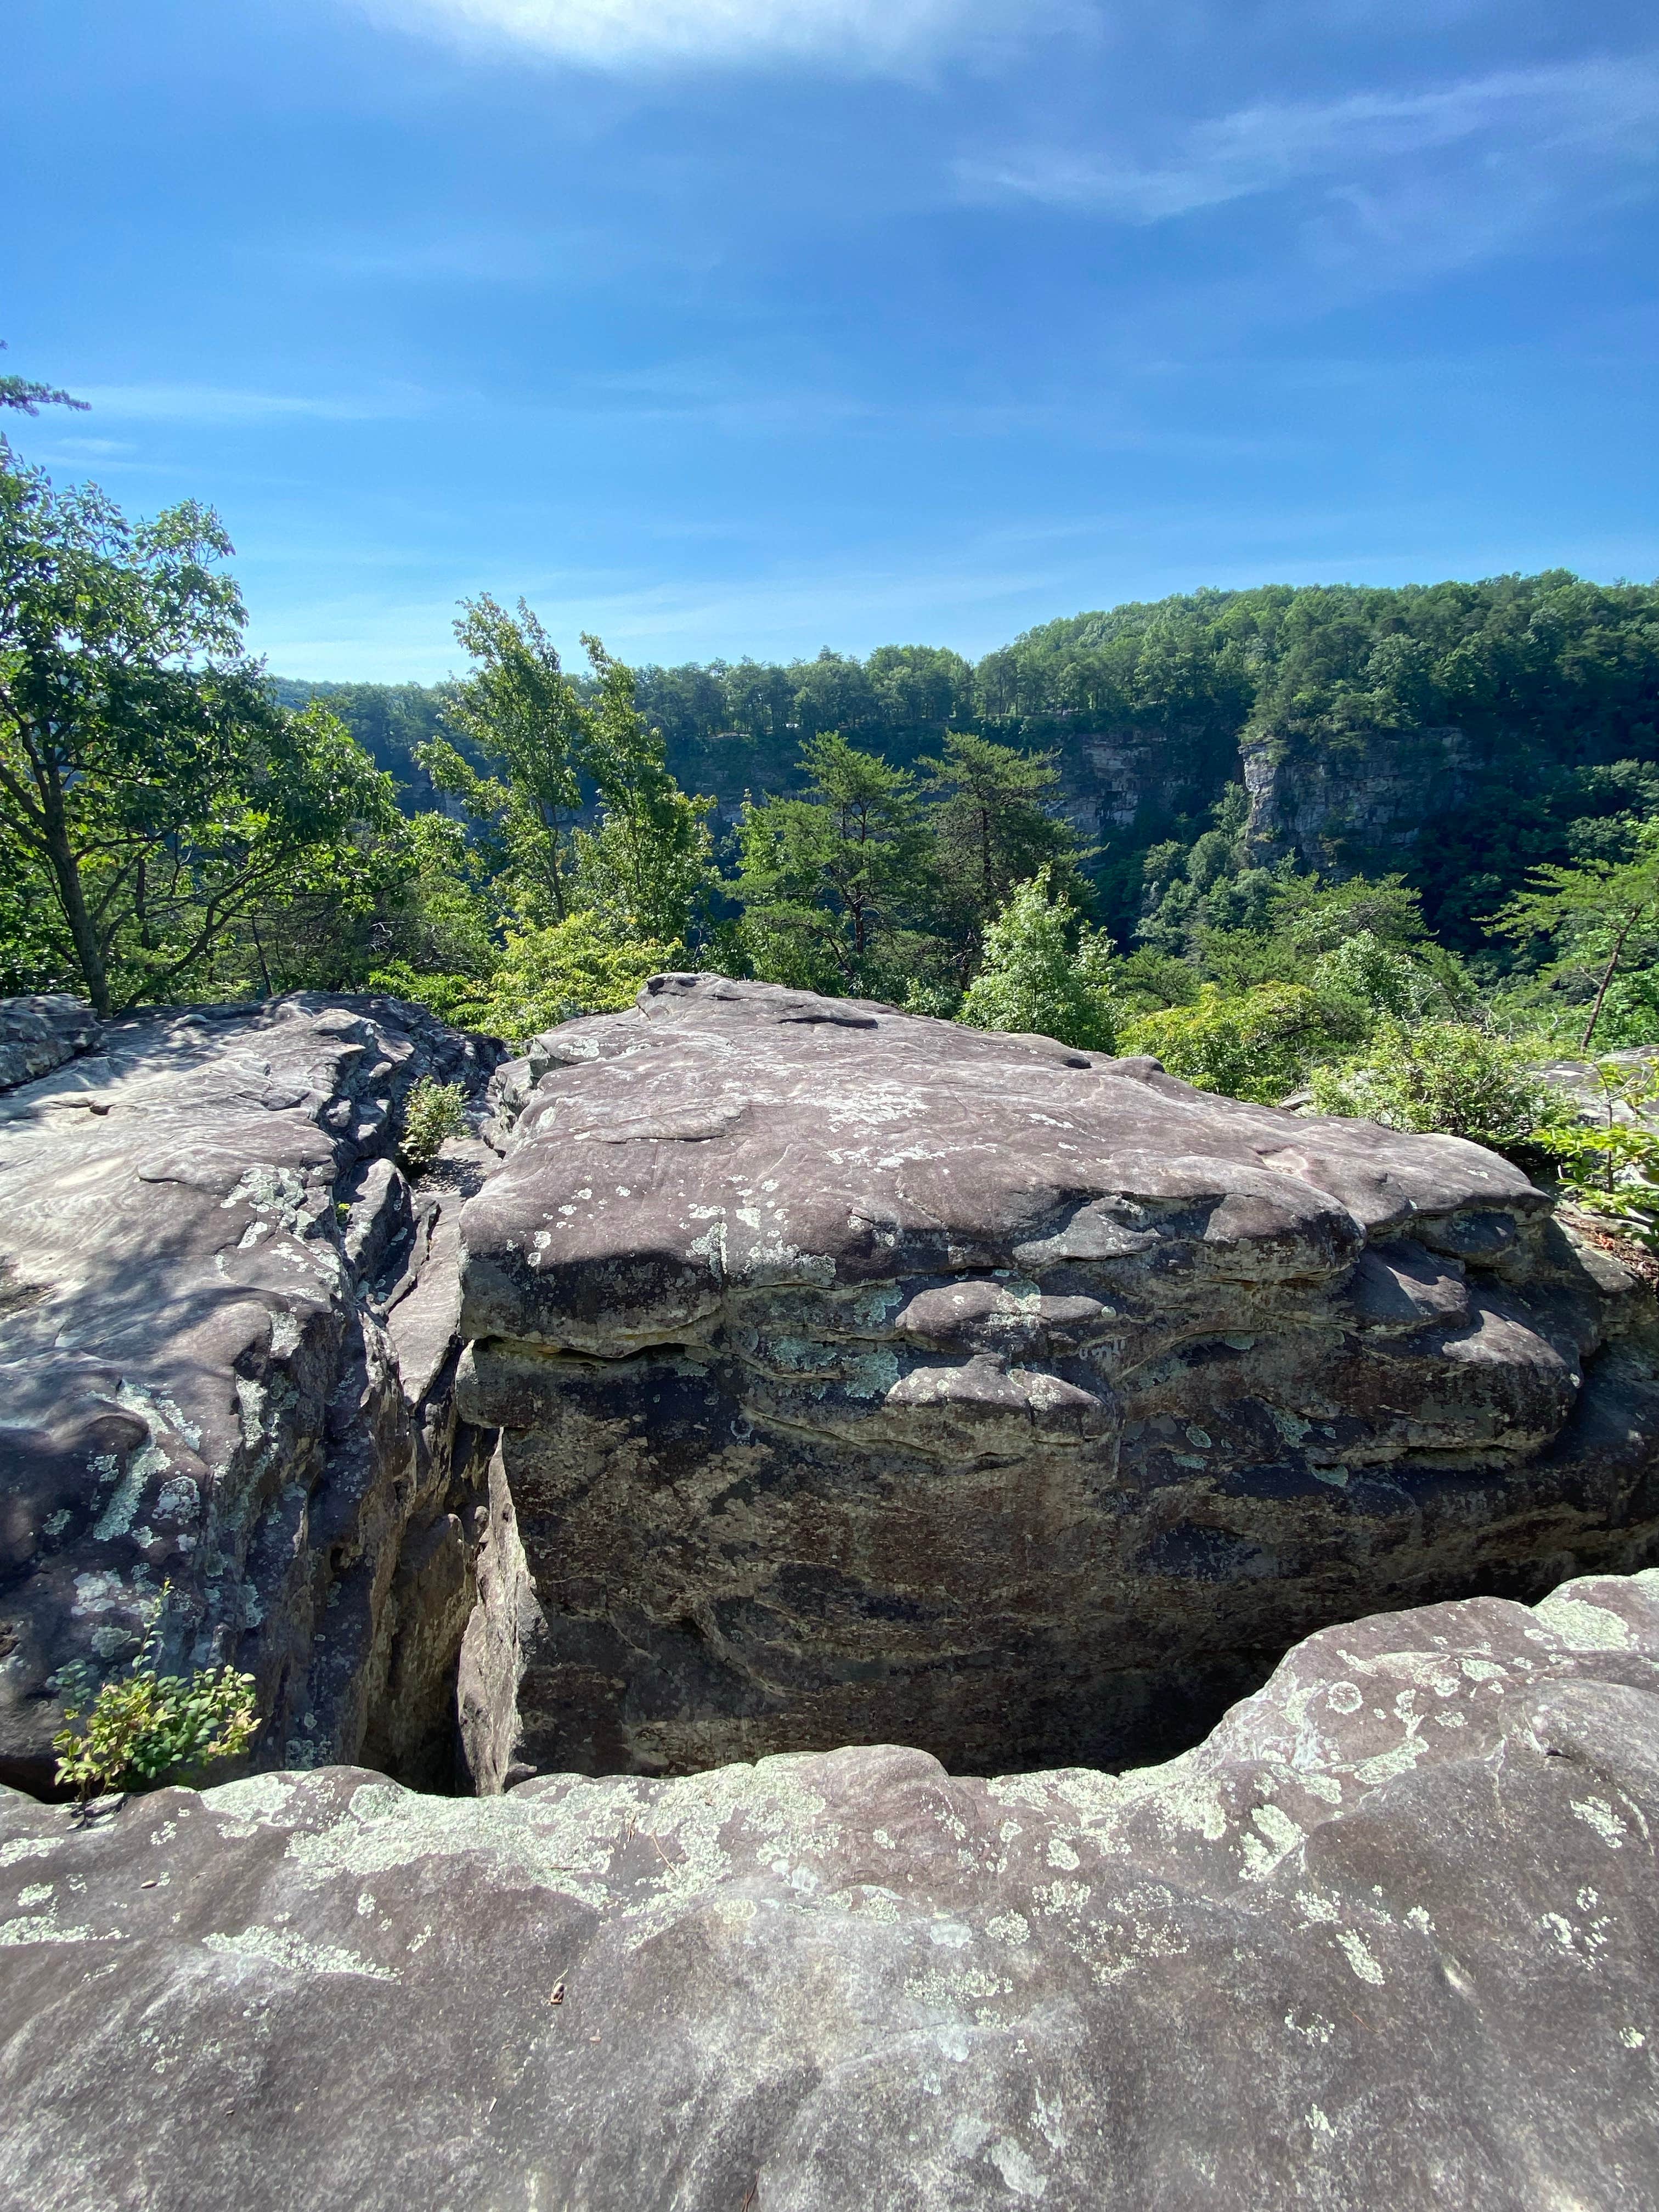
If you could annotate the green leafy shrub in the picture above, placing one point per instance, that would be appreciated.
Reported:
(580, 965)
(144, 1729)
(1386, 979)
(1031, 979)
(1252, 1044)
(432, 1112)
(460, 1001)
(1609, 1163)
(1448, 1077)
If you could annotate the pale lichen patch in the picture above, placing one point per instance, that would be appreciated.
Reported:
(294, 1955)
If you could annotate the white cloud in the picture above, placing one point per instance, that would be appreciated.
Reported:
(215, 403)
(1605, 108)
(76, 450)
(624, 35)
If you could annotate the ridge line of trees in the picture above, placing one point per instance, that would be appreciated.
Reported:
(174, 823)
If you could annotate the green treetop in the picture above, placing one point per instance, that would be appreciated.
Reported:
(524, 713)
(1598, 918)
(992, 828)
(146, 780)
(1034, 980)
(828, 883)
(648, 863)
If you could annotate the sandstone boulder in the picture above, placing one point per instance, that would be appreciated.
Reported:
(40, 1033)
(204, 1248)
(864, 1378)
(1388, 1939)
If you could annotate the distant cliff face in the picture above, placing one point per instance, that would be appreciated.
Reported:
(1357, 805)
(1360, 807)
(1129, 776)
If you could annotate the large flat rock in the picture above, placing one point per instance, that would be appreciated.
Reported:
(1388, 1939)
(197, 1385)
(865, 1378)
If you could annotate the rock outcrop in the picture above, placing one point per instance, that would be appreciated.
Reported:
(227, 1338)
(1364, 807)
(40, 1033)
(1391, 1938)
(863, 1378)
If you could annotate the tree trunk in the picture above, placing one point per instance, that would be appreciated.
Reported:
(1607, 978)
(87, 951)
(265, 970)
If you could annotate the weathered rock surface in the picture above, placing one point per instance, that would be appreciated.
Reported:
(867, 1379)
(1598, 1102)
(206, 1380)
(1391, 1938)
(40, 1033)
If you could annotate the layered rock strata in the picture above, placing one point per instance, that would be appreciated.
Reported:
(227, 1338)
(863, 1378)
(1391, 1938)
(40, 1033)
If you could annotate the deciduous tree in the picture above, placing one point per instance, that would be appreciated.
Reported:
(146, 776)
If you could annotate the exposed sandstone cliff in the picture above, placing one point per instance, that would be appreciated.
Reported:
(1359, 806)
(863, 1378)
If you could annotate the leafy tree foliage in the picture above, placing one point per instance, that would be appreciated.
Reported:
(648, 864)
(147, 783)
(29, 398)
(578, 966)
(524, 715)
(1448, 1076)
(832, 884)
(1598, 917)
(993, 826)
(1035, 978)
(1257, 1043)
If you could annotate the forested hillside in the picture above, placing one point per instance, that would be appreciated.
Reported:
(1457, 732)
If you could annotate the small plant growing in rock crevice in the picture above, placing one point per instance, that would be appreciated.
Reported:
(144, 1728)
(432, 1112)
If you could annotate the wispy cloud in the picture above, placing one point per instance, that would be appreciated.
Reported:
(861, 35)
(216, 403)
(1609, 107)
(439, 257)
(78, 450)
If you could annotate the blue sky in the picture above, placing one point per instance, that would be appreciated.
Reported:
(728, 325)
